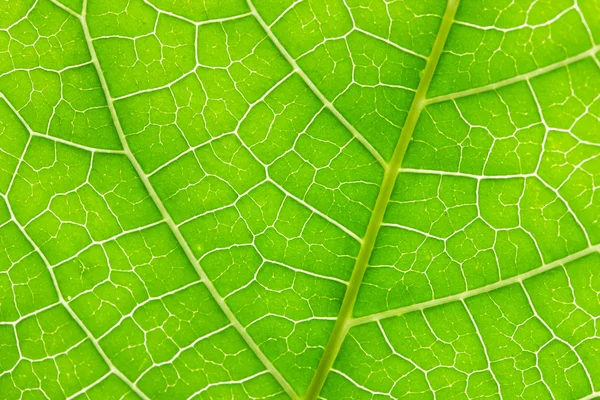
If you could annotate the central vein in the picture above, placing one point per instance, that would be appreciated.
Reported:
(389, 179)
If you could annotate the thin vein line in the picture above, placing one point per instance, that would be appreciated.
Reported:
(314, 88)
(54, 138)
(518, 78)
(321, 214)
(389, 42)
(474, 292)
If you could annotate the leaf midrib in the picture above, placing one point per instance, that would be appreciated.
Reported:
(392, 169)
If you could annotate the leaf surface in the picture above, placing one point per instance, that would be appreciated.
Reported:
(336, 199)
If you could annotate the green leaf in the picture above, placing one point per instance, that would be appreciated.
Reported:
(272, 199)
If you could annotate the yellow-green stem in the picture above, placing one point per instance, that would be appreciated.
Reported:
(389, 179)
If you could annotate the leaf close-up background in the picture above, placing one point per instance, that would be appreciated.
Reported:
(299, 199)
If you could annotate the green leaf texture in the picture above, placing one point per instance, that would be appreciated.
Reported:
(273, 199)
